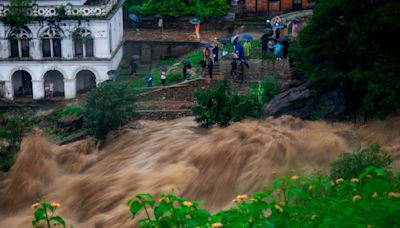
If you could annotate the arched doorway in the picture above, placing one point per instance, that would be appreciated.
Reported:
(85, 81)
(22, 84)
(54, 80)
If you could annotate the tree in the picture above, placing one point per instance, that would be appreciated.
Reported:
(176, 8)
(17, 13)
(354, 42)
(107, 107)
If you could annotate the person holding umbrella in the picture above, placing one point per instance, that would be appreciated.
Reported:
(196, 23)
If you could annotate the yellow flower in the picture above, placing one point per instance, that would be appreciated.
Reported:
(295, 177)
(35, 205)
(253, 200)
(277, 207)
(241, 198)
(375, 195)
(54, 204)
(310, 188)
(354, 180)
(313, 217)
(162, 199)
(340, 180)
(369, 226)
(356, 198)
(187, 204)
(217, 224)
(394, 195)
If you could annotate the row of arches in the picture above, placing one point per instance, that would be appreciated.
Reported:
(51, 37)
(22, 82)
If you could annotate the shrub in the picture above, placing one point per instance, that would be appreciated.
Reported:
(44, 213)
(220, 106)
(68, 111)
(371, 200)
(107, 107)
(12, 129)
(214, 106)
(174, 77)
(351, 165)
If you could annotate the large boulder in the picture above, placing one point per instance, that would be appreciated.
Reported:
(308, 101)
(70, 123)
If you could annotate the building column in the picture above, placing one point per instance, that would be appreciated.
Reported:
(37, 89)
(9, 90)
(70, 88)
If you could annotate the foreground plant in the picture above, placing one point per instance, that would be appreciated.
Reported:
(45, 212)
(370, 200)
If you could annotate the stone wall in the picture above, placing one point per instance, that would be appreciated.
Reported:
(260, 68)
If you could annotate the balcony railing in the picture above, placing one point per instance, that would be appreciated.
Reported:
(70, 10)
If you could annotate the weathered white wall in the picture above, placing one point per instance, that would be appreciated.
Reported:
(51, 2)
(108, 54)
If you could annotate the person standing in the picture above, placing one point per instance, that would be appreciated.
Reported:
(210, 66)
(247, 49)
(264, 43)
(133, 66)
(233, 69)
(51, 89)
(240, 70)
(206, 53)
(271, 45)
(186, 65)
(285, 48)
(149, 78)
(216, 53)
(240, 51)
(46, 88)
(278, 50)
(161, 25)
(163, 77)
(197, 30)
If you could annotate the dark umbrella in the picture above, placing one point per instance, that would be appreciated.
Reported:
(246, 37)
(271, 38)
(223, 40)
(134, 17)
(194, 21)
(135, 57)
(205, 44)
(284, 39)
(157, 16)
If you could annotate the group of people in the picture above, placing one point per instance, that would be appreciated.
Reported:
(272, 42)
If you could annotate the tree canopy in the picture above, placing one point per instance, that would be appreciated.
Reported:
(176, 8)
(355, 42)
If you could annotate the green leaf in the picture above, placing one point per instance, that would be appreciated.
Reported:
(160, 210)
(39, 214)
(58, 219)
(135, 207)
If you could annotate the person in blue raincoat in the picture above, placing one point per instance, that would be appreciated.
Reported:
(149, 78)
(240, 51)
(278, 51)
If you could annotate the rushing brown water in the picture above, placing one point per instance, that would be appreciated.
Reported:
(93, 184)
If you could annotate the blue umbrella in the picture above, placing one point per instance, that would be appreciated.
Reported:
(246, 37)
(134, 17)
(194, 21)
(278, 26)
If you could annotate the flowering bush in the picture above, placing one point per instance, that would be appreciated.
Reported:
(371, 200)
(45, 212)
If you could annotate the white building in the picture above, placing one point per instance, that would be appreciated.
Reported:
(73, 49)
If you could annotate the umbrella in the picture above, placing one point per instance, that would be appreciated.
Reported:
(284, 39)
(223, 40)
(278, 26)
(162, 68)
(271, 38)
(134, 17)
(205, 44)
(234, 38)
(246, 37)
(268, 31)
(157, 16)
(135, 57)
(194, 21)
